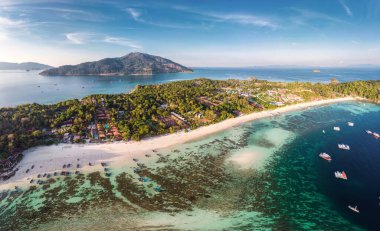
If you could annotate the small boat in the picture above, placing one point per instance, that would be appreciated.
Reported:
(341, 175)
(316, 71)
(351, 124)
(355, 209)
(323, 131)
(376, 135)
(337, 129)
(344, 146)
(368, 132)
(325, 156)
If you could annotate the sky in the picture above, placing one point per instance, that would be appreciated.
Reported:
(212, 33)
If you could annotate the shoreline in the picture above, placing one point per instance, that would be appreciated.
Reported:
(49, 159)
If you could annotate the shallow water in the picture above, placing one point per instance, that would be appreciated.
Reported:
(287, 187)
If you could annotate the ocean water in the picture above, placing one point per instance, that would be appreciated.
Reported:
(261, 175)
(19, 87)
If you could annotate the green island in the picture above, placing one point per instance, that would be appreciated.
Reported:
(155, 110)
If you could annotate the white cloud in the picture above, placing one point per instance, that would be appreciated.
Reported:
(135, 14)
(122, 42)
(346, 8)
(79, 38)
(84, 38)
(245, 19)
(7, 22)
(3, 37)
(308, 15)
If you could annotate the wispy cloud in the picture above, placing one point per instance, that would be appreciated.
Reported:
(206, 17)
(135, 14)
(138, 17)
(122, 42)
(3, 36)
(244, 19)
(8, 22)
(238, 18)
(81, 38)
(308, 15)
(346, 8)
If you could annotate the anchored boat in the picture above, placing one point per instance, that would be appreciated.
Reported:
(341, 175)
(325, 156)
(351, 124)
(337, 129)
(344, 146)
(355, 209)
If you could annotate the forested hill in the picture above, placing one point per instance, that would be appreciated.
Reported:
(132, 64)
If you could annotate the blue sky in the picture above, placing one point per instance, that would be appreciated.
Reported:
(193, 33)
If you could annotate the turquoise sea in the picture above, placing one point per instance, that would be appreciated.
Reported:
(19, 87)
(262, 175)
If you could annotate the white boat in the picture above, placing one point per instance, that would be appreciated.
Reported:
(325, 156)
(376, 135)
(341, 175)
(323, 131)
(350, 124)
(344, 146)
(355, 209)
(368, 132)
(336, 128)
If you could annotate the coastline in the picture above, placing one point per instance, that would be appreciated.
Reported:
(49, 159)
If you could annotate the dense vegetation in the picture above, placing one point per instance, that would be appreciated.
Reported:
(146, 111)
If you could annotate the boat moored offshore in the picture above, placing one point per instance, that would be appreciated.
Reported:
(344, 146)
(337, 129)
(355, 209)
(376, 135)
(368, 132)
(351, 124)
(341, 175)
(325, 156)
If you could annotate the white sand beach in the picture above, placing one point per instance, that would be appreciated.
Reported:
(49, 159)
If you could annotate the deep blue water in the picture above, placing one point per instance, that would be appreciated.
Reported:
(19, 87)
(300, 162)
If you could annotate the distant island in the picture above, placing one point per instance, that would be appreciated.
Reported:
(23, 66)
(134, 63)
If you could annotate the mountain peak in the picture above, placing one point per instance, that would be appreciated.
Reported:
(134, 63)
